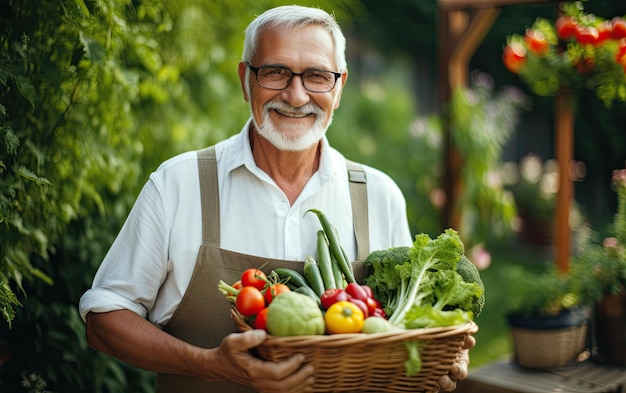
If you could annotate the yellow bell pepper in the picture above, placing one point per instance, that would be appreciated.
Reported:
(343, 317)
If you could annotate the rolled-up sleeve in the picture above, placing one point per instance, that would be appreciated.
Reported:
(136, 264)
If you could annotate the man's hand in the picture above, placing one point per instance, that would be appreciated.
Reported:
(238, 365)
(459, 369)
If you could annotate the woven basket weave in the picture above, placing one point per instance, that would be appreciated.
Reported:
(370, 362)
(548, 349)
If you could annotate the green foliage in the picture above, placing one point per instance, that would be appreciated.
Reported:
(482, 122)
(575, 65)
(419, 286)
(601, 268)
(376, 124)
(94, 95)
(429, 277)
(65, 124)
(545, 292)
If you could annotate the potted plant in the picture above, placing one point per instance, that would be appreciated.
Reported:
(576, 51)
(600, 270)
(548, 319)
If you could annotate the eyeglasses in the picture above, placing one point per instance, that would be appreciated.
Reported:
(279, 78)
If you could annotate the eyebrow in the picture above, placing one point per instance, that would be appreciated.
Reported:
(278, 65)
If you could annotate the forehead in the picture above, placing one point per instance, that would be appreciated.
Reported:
(298, 48)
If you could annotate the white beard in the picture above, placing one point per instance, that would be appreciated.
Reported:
(297, 141)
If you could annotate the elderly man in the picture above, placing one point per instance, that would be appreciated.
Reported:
(207, 215)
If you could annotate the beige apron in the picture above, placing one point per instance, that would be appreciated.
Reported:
(202, 318)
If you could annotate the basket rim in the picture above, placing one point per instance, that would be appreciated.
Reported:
(331, 340)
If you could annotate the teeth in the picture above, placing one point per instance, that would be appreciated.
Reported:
(292, 114)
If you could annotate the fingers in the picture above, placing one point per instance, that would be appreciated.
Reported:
(250, 339)
(447, 383)
(289, 375)
(470, 342)
(460, 369)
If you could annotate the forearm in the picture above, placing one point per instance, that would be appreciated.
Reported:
(130, 338)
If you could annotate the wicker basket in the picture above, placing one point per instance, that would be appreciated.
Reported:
(548, 349)
(370, 362)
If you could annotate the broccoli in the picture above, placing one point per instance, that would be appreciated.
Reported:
(429, 284)
(432, 273)
(469, 273)
(383, 280)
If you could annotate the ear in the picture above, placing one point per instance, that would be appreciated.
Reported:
(344, 78)
(241, 70)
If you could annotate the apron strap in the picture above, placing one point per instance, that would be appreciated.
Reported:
(358, 194)
(209, 194)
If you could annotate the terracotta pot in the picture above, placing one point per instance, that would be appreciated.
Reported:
(609, 330)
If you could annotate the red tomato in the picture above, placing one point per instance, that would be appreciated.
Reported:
(514, 57)
(566, 27)
(587, 34)
(274, 290)
(372, 305)
(249, 301)
(355, 291)
(332, 296)
(618, 29)
(536, 42)
(379, 312)
(254, 278)
(260, 321)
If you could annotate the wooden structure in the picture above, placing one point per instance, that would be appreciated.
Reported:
(462, 25)
(505, 377)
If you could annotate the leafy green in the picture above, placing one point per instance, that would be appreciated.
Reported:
(428, 317)
(420, 286)
(413, 363)
(425, 274)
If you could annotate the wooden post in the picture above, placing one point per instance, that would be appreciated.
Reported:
(463, 33)
(564, 119)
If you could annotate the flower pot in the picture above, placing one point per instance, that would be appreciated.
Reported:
(609, 330)
(549, 341)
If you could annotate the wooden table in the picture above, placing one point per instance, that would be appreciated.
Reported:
(506, 377)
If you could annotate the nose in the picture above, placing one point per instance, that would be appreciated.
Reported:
(295, 94)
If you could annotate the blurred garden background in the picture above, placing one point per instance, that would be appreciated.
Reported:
(95, 94)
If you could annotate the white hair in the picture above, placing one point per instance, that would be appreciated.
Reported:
(295, 16)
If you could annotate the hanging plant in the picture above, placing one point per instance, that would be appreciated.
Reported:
(576, 51)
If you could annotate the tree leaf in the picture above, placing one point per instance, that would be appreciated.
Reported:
(94, 51)
(25, 87)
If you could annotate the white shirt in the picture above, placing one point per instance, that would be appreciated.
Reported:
(149, 265)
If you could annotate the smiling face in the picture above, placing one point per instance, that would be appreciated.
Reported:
(292, 119)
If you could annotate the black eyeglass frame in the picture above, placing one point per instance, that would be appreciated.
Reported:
(301, 75)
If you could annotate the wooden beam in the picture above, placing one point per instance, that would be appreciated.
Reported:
(466, 46)
(463, 34)
(449, 5)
